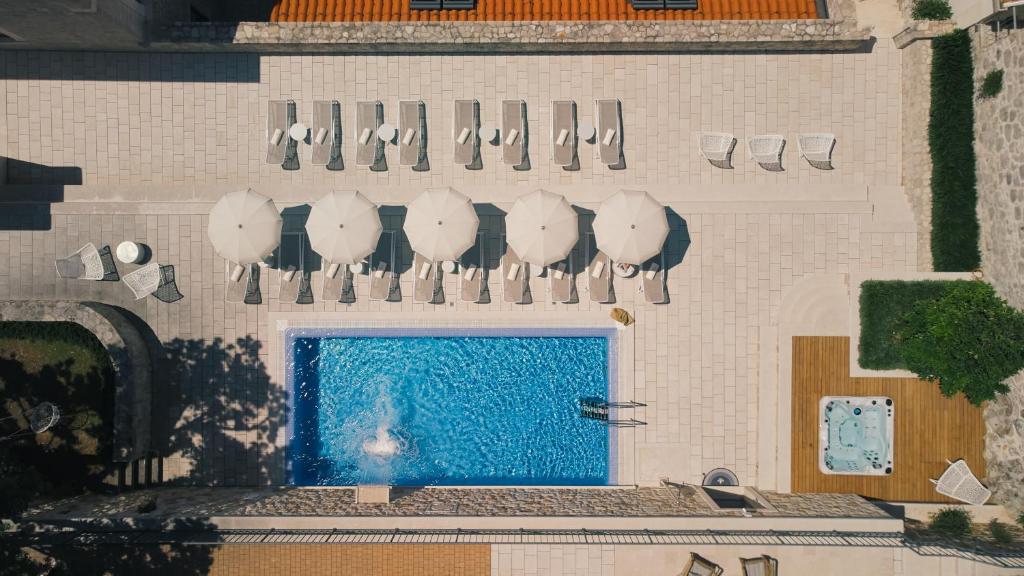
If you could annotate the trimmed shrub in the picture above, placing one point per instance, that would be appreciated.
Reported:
(992, 84)
(931, 10)
(883, 304)
(954, 239)
(1000, 533)
(955, 522)
(969, 340)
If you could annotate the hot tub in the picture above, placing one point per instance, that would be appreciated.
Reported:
(855, 435)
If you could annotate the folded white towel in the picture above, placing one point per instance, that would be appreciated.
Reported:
(275, 138)
(608, 137)
(562, 137)
(463, 136)
(289, 275)
(513, 134)
(598, 269)
(332, 270)
(236, 273)
(424, 270)
(381, 267)
(560, 271)
(365, 136)
(470, 273)
(652, 270)
(513, 271)
(407, 139)
(321, 135)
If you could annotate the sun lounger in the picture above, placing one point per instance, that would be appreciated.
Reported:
(700, 566)
(473, 273)
(717, 148)
(143, 281)
(959, 483)
(243, 283)
(760, 566)
(817, 149)
(561, 279)
(339, 283)
(383, 278)
(465, 130)
(652, 280)
(427, 287)
(599, 274)
(513, 132)
(369, 148)
(325, 118)
(515, 277)
(767, 151)
(609, 131)
(563, 132)
(295, 286)
(277, 130)
(412, 132)
(85, 264)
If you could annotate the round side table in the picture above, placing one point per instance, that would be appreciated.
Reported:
(623, 270)
(488, 133)
(586, 131)
(130, 252)
(448, 266)
(298, 131)
(386, 132)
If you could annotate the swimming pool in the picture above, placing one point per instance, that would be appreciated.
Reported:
(417, 407)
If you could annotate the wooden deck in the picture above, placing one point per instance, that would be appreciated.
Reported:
(929, 428)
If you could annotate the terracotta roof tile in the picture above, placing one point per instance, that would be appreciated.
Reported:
(524, 10)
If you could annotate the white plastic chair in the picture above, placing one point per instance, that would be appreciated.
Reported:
(959, 483)
(85, 264)
(143, 281)
(817, 149)
(717, 148)
(766, 150)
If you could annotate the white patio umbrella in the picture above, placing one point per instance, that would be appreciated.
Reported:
(343, 227)
(441, 224)
(244, 226)
(541, 227)
(630, 227)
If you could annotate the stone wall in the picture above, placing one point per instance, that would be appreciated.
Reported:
(129, 355)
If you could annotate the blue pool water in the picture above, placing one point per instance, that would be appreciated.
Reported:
(455, 408)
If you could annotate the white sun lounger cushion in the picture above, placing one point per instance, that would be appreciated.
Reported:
(409, 135)
(321, 135)
(381, 267)
(598, 269)
(470, 273)
(463, 136)
(513, 135)
(652, 270)
(563, 135)
(560, 271)
(513, 271)
(365, 136)
(236, 273)
(275, 138)
(608, 137)
(289, 275)
(424, 271)
(332, 270)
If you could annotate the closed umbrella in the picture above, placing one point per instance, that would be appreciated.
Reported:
(343, 227)
(244, 226)
(541, 227)
(441, 224)
(630, 227)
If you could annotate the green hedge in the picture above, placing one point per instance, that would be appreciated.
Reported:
(883, 304)
(951, 142)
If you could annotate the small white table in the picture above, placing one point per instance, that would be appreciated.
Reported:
(298, 131)
(386, 132)
(586, 131)
(623, 270)
(357, 268)
(448, 266)
(537, 271)
(129, 252)
(488, 133)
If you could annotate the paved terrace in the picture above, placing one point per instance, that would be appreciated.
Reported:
(154, 139)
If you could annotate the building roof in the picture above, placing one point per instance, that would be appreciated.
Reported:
(534, 10)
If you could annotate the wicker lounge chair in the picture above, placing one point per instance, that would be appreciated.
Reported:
(609, 131)
(143, 281)
(513, 132)
(562, 281)
(383, 278)
(473, 274)
(369, 148)
(760, 566)
(515, 277)
(167, 291)
(427, 287)
(700, 566)
(652, 280)
(465, 132)
(326, 118)
(717, 148)
(599, 274)
(767, 151)
(412, 132)
(563, 132)
(277, 130)
(817, 149)
(959, 483)
(85, 264)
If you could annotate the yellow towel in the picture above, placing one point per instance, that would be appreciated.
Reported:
(622, 317)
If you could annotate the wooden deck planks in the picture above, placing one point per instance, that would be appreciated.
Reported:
(929, 428)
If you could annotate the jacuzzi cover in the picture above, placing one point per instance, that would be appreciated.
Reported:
(856, 435)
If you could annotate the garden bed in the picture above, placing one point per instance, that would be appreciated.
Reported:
(883, 304)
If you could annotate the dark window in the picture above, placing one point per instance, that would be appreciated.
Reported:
(662, 4)
(442, 4)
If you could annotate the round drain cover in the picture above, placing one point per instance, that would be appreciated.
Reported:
(721, 477)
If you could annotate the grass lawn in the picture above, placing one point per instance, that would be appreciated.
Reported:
(882, 306)
(62, 363)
